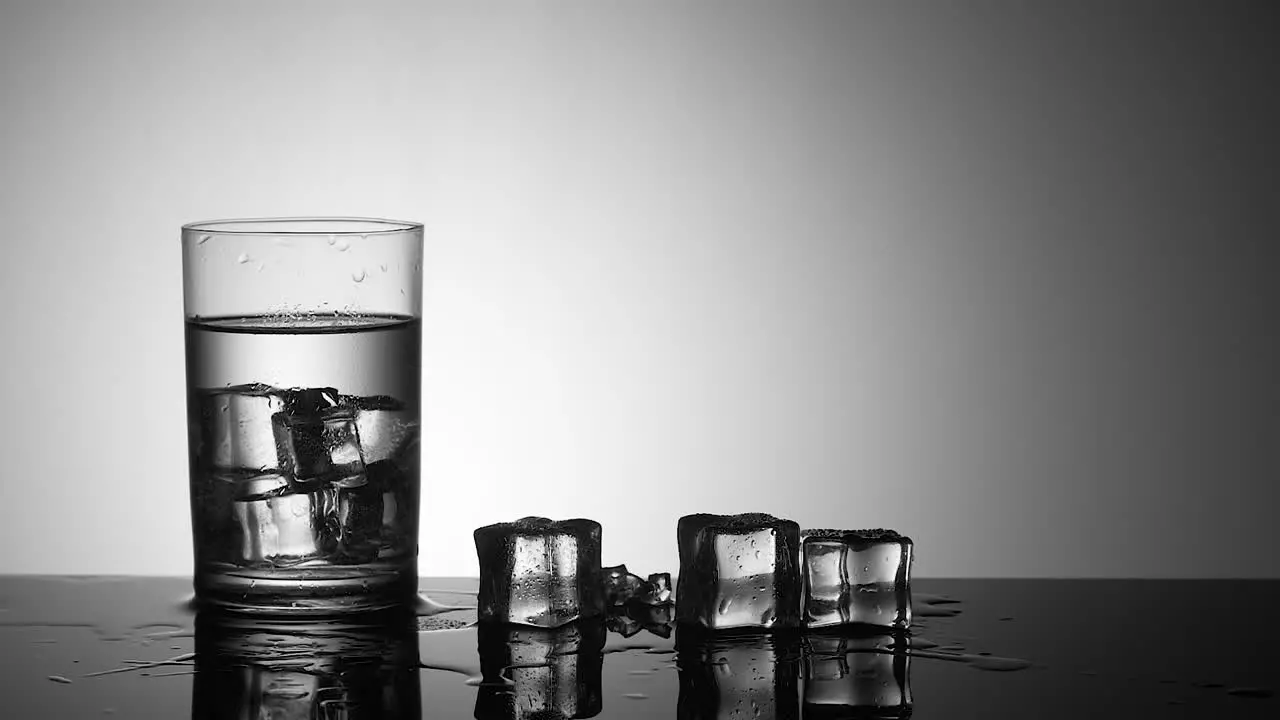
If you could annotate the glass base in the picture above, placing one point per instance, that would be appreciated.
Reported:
(306, 591)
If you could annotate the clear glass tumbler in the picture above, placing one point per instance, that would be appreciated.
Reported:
(303, 347)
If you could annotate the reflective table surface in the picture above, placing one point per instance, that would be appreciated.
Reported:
(133, 647)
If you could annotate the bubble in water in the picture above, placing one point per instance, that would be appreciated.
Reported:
(342, 245)
(244, 258)
(202, 239)
(358, 275)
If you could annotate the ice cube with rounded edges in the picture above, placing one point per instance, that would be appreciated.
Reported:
(280, 531)
(232, 427)
(536, 571)
(656, 590)
(385, 426)
(323, 446)
(620, 586)
(856, 576)
(357, 523)
(738, 571)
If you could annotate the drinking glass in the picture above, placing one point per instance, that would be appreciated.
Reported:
(303, 350)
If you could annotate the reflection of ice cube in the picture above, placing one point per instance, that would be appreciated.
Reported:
(538, 572)
(857, 677)
(723, 678)
(738, 571)
(323, 446)
(385, 426)
(657, 619)
(235, 427)
(856, 576)
(623, 624)
(553, 673)
(279, 531)
(619, 585)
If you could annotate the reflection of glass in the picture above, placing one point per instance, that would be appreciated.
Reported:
(866, 677)
(737, 675)
(540, 673)
(356, 668)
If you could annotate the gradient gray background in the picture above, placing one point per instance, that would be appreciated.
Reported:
(1000, 275)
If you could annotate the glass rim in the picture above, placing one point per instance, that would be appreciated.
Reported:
(302, 226)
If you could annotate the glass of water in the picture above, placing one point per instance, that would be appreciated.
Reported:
(303, 347)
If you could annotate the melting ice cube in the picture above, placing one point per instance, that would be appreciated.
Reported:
(385, 426)
(538, 572)
(233, 427)
(318, 444)
(738, 571)
(619, 585)
(279, 531)
(856, 576)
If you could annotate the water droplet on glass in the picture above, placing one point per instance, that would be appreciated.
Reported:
(202, 239)
(383, 266)
(333, 239)
(343, 245)
(358, 275)
(244, 258)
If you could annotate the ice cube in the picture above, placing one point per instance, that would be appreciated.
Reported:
(281, 530)
(738, 571)
(857, 677)
(385, 425)
(233, 427)
(318, 444)
(398, 531)
(656, 590)
(538, 572)
(728, 677)
(856, 576)
(540, 673)
(619, 585)
(358, 523)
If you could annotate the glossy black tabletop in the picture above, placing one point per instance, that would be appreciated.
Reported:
(132, 647)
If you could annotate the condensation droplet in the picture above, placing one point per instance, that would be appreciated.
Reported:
(244, 258)
(358, 275)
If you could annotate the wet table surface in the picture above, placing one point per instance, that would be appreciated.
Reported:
(132, 647)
